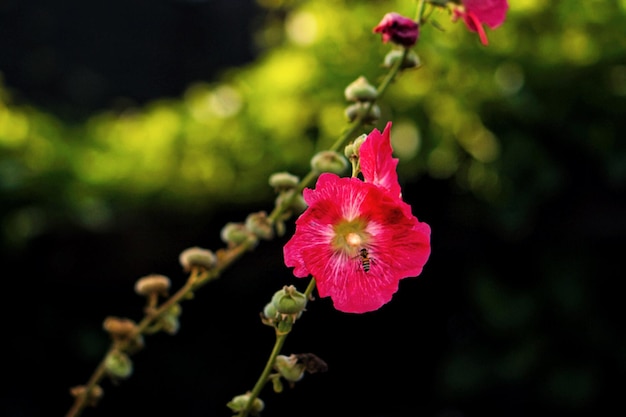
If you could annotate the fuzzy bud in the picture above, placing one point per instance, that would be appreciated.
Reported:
(196, 257)
(235, 234)
(119, 328)
(329, 161)
(352, 149)
(259, 225)
(296, 203)
(240, 402)
(93, 397)
(289, 367)
(152, 284)
(289, 301)
(169, 321)
(410, 61)
(269, 311)
(360, 110)
(118, 365)
(283, 181)
(360, 90)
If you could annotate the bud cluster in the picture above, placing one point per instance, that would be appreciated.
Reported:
(284, 309)
(239, 404)
(292, 368)
(363, 95)
(289, 198)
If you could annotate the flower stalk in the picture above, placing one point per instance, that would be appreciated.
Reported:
(378, 234)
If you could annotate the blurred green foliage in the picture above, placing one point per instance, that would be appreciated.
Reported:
(220, 141)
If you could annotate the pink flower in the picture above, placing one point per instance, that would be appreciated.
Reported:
(398, 29)
(476, 12)
(359, 239)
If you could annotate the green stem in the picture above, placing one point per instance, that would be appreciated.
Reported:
(278, 345)
(420, 11)
(195, 280)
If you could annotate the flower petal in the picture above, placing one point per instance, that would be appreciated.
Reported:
(376, 161)
(490, 12)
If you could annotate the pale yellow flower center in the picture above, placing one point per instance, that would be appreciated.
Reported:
(350, 237)
(354, 240)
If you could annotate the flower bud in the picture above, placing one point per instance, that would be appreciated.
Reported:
(360, 90)
(329, 161)
(269, 311)
(93, 397)
(283, 181)
(410, 61)
(289, 301)
(152, 284)
(296, 203)
(360, 110)
(118, 365)
(240, 402)
(289, 367)
(235, 234)
(169, 321)
(352, 149)
(259, 225)
(398, 29)
(196, 257)
(119, 328)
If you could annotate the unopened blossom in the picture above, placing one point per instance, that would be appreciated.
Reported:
(357, 238)
(398, 29)
(475, 13)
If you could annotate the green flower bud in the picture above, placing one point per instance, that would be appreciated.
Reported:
(289, 301)
(282, 181)
(411, 60)
(359, 110)
(118, 365)
(348, 151)
(289, 367)
(360, 90)
(240, 402)
(296, 203)
(277, 384)
(235, 234)
(169, 321)
(197, 258)
(269, 311)
(329, 161)
(259, 225)
(152, 284)
(352, 149)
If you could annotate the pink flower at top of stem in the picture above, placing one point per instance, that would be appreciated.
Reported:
(475, 13)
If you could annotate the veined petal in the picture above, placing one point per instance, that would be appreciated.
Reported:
(490, 12)
(377, 163)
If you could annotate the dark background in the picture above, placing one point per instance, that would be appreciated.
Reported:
(517, 313)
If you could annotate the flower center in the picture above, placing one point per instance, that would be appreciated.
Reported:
(350, 236)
